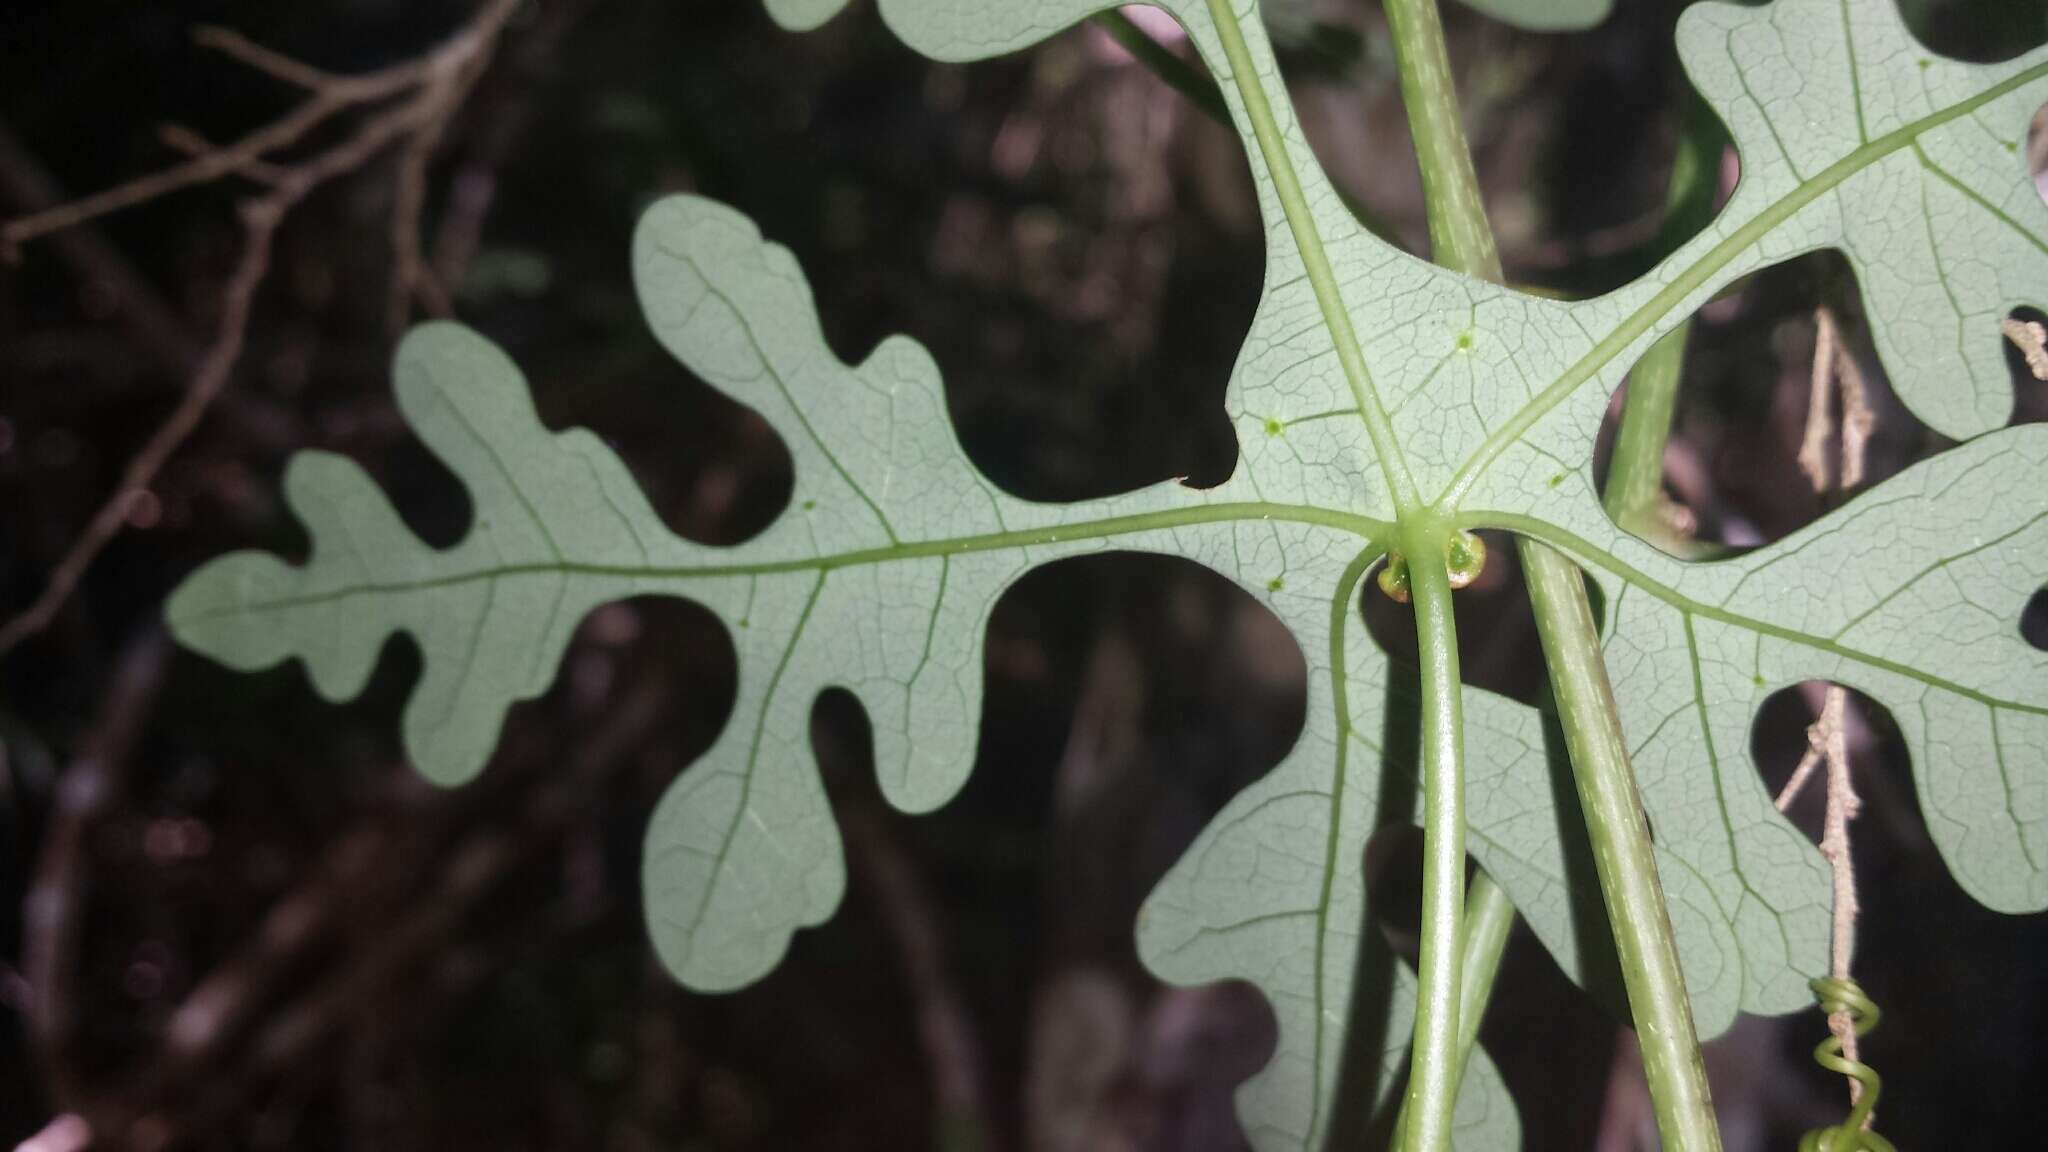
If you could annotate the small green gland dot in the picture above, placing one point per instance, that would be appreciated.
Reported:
(1273, 427)
(744, 623)
(1926, 64)
(1759, 681)
(809, 505)
(1464, 341)
(1557, 479)
(1275, 584)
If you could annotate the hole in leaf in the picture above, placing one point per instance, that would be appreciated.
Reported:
(1925, 949)
(1128, 699)
(1779, 744)
(1978, 31)
(1575, 138)
(1732, 473)
(1623, 135)
(2037, 151)
(2034, 620)
(427, 495)
(2026, 359)
(712, 469)
(1084, 284)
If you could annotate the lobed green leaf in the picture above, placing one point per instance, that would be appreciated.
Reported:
(880, 574)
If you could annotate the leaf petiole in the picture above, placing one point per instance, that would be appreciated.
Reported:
(1434, 1065)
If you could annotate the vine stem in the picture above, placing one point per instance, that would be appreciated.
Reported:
(1489, 918)
(1615, 823)
(1634, 496)
(1622, 853)
(1434, 1064)
(1635, 473)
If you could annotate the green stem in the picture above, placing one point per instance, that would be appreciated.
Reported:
(1433, 1066)
(1459, 234)
(1571, 644)
(1622, 853)
(1635, 472)
(1489, 917)
(1459, 238)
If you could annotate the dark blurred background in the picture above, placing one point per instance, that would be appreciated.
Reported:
(234, 919)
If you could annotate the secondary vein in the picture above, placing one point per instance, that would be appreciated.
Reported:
(1589, 554)
(1653, 311)
(1315, 261)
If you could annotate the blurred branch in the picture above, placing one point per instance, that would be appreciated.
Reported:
(946, 1028)
(472, 187)
(198, 1075)
(410, 276)
(26, 185)
(474, 868)
(88, 788)
(433, 83)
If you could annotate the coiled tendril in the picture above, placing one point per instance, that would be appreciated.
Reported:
(1848, 1136)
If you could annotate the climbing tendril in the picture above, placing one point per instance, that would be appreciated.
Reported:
(1841, 995)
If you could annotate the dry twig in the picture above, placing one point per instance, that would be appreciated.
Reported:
(2031, 338)
(101, 269)
(432, 85)
(1833, 363)
(1827, 738)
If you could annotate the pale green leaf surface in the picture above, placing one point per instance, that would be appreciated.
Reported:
(880, 575)
(1546, 15)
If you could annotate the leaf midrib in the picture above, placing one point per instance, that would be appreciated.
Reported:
(1366, 527)
(1315, 260)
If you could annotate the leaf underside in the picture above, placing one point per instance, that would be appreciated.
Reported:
(1546, 15)
(880, 575)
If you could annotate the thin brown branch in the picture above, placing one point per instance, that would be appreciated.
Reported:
(1827, 738)
(202, 169)
(259, 225)
(178, 138)
(1831, 733)
(464, 52)
(1859, 419)
(26, 186)
(472, 187)
(234, 45)
(1808, 765)
(1820, 425)
(411, 278)
(328, 96)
